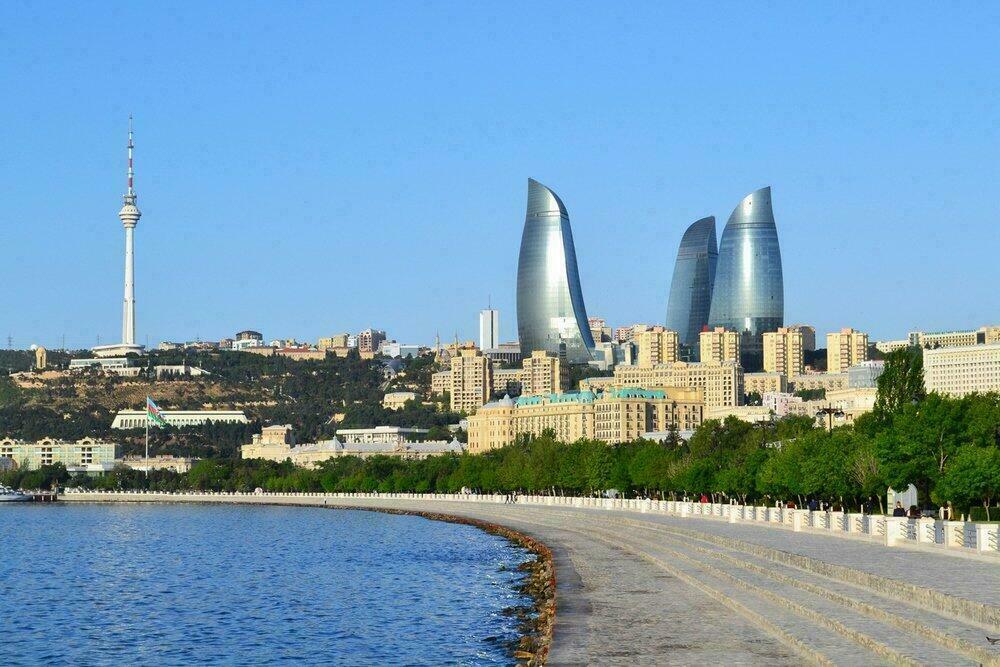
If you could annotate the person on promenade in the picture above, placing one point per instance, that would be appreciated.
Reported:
(913, 513)
(790, 505)
(898, 510)
(813, 505)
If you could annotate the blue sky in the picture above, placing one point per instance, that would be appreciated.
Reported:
(321, 167)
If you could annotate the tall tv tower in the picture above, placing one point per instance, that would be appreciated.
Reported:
(130, 218)
(129, 215)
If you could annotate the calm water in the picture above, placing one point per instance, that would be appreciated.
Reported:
(173, 585)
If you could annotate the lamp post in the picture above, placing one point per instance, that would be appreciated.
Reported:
(831, 413)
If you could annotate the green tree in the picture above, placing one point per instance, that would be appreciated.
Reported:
(973, 476)
(901, 382)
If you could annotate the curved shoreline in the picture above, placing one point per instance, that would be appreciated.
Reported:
(535, 632)
(533, 647)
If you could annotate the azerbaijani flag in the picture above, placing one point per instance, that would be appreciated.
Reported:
(153, 413)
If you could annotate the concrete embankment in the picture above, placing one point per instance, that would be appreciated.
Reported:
(653, 589)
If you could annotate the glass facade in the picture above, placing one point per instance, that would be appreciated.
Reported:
(691, 287)
(550, 310)
(749, 293)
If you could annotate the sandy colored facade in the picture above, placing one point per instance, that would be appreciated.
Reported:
(957, 371)
(617, 415)
(764, 383)
(826, 381)
(471, 381)
(844, 349)
(719, 345)
(658, 345)
(720, 382)
(396, 400)
(84, 455)
(784, 352)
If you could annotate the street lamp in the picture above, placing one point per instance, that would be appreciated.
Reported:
(831, 413)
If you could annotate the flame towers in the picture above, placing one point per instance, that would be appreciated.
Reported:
(691, 287)
(749, 293)
(550, 309)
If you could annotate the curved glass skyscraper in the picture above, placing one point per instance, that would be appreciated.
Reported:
(550, 308)
(749, 292)
(691, 287)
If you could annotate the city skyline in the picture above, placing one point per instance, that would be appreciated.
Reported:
(302, 220)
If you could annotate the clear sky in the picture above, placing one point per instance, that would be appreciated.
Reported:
(310, 168)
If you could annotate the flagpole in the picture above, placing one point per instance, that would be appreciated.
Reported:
(147, 437)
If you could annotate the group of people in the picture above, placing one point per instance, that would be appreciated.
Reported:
(510, 498)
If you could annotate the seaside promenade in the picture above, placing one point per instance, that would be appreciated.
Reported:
(636, 586)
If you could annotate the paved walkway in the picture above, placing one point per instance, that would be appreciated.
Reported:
(641, 589)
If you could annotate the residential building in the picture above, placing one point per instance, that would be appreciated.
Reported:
(720, 382)
(981, 336)
(619, 415)
(441, 382)
(544, 373)
(178, 464)
(471, 381)
(784, 352)
(628, 334)
(334, 342)
(808, 335)
(845, 349)
(87, 455)
(129, 419)
(393, 349)
(391, 435)
(599, 329)
(396, 400)
(123, 366)
(489, 329)
(178, 370)
(369, 340)
(865, 374)
(812, 381)
(764, 383)
(657, 346)
(749, 295)
(301, 353)
(890, 346)
(504, 353)
(509, 381)
(967, 369)
(280, 446)
(690, 297)
(248, 339)
(550, 308)
(719, 344)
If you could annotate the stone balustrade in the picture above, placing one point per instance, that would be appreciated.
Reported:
(959, 536)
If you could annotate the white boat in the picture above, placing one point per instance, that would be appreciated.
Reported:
(8, 495)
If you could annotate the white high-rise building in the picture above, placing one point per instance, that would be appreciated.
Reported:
(129, 215)
(489, 329)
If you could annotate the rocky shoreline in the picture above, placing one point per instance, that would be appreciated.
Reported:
(536, 622)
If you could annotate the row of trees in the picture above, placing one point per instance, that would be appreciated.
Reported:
(949, 448)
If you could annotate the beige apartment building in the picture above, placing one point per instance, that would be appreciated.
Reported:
(719, 345)
(618, 415)
(825, 381)
(84, 455)
(471, 381)
(784, 352)
(277, 443)
(338, 341)
(764, 383)
(720, 382)
(844, 349)
(396, 400)
(544, 373)
(808, 335)
(658, 345)
(957, 371)
(441, 382)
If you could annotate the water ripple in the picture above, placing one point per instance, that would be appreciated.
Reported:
(181, 585)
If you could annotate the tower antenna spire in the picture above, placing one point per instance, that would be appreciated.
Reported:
(130, 195)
